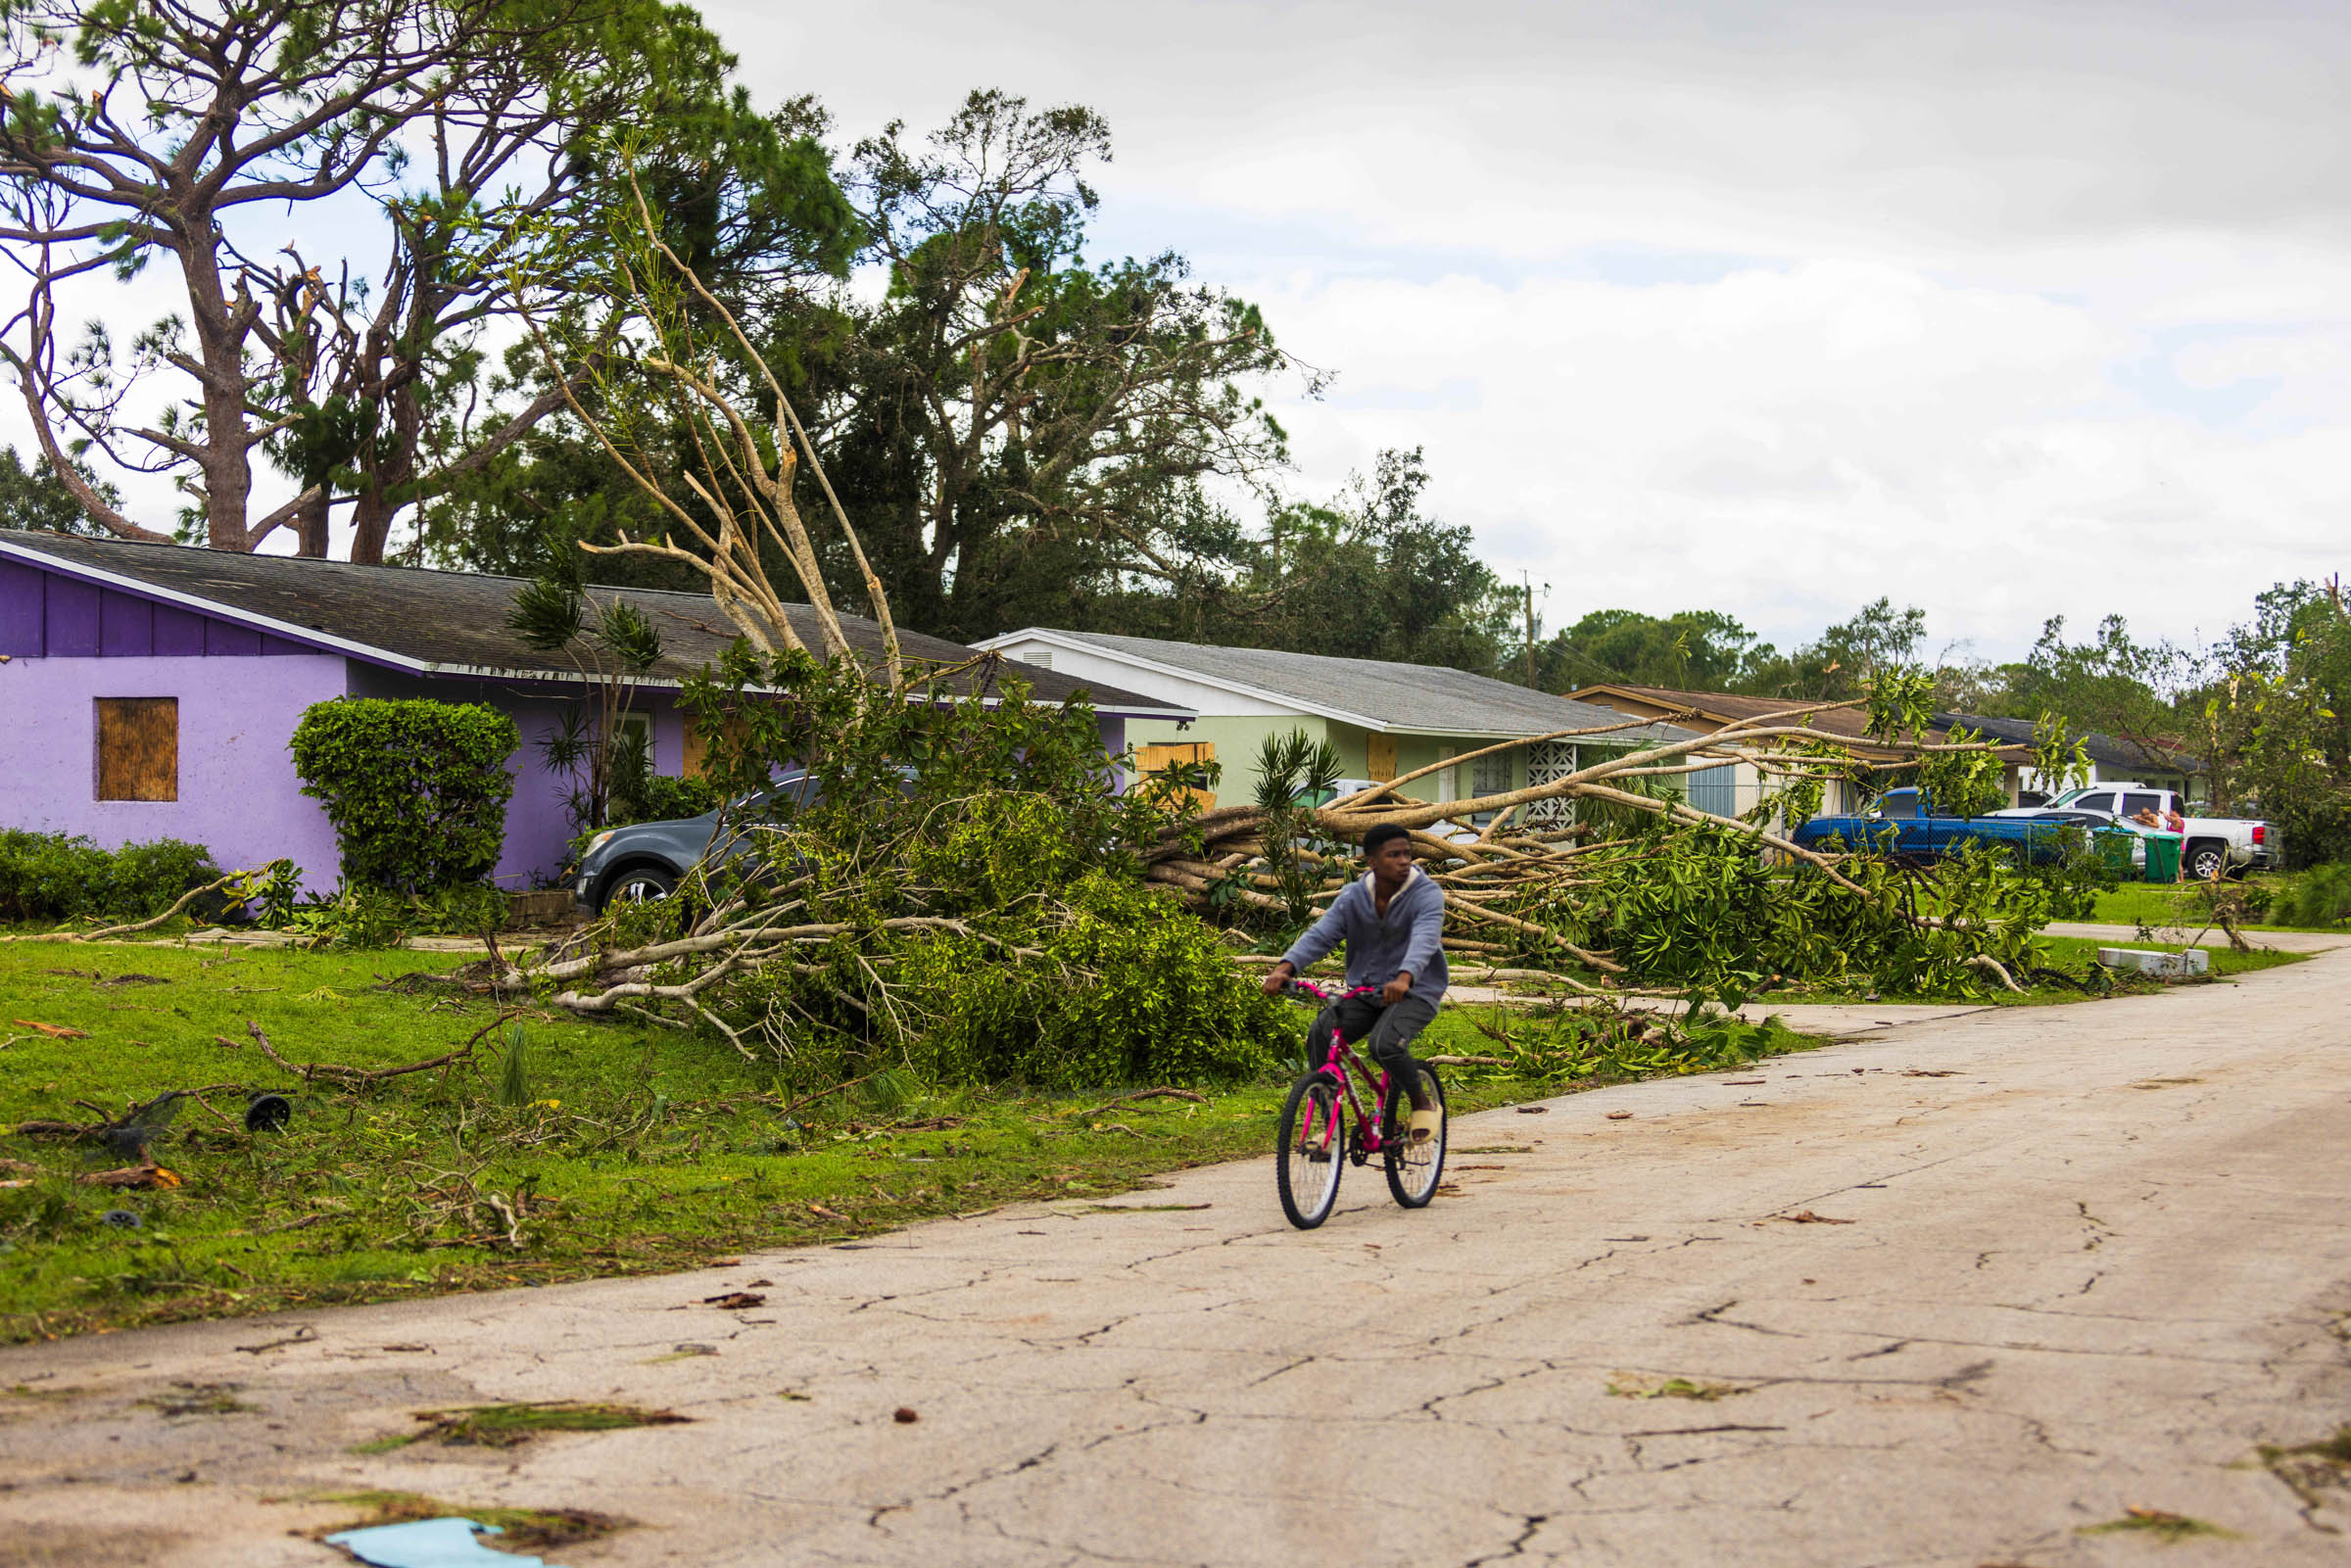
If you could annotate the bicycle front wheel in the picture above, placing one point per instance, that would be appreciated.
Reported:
(1416, 1169)
(1309, 1150)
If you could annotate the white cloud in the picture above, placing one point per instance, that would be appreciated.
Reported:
(1785, 444)
(2007, 310)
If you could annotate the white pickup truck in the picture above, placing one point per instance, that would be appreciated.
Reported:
(2213, 845)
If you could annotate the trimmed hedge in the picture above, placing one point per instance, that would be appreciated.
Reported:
(416, 789)
(51, 876)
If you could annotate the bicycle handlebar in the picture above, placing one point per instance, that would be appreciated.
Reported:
(1321, 995)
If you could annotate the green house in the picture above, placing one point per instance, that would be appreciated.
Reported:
(1385, 719)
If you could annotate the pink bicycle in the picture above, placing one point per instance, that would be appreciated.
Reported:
(1314, 1140)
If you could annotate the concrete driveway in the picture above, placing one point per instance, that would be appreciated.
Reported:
(1956, 1294)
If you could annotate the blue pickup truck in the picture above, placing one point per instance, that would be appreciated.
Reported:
(1906, 826)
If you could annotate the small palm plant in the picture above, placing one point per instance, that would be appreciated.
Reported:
(614, 643)
(1295, 774)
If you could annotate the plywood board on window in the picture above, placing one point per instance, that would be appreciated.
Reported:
(1382, 763)
(138, 749)
(1151, 759)
(697, 749)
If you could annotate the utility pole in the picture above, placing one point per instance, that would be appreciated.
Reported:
(1529, 584)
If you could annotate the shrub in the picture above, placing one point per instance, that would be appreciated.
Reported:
(2320, 896)
(49, 877)
(465, 910)
(54, 877)
(148, 877)
(416, 790)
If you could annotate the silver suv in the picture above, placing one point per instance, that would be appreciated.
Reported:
(649, 859)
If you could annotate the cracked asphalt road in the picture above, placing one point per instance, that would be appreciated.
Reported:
(2089, 1265)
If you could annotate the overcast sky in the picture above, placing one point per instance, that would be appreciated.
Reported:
(2005, 311)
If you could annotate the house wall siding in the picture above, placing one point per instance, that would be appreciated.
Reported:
(48, 615)
(65, 643)
(1237, 737)
(238, 795)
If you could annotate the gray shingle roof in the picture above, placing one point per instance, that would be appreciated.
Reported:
(456, 622)
(1421, 699)
(2106, 750)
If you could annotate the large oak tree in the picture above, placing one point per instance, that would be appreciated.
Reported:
(462, 130)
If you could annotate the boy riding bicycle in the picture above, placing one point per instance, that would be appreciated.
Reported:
(1392, 920)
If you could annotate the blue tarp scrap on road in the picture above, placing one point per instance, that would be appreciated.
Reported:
(428, 1543)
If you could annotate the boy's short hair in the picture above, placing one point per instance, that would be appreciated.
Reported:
(1380, 835)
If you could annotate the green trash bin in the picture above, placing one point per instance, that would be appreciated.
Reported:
(2163, 857)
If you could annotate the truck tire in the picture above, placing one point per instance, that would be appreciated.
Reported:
(2203, 860)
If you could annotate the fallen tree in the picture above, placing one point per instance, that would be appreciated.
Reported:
(1610, 872)
(965, 891)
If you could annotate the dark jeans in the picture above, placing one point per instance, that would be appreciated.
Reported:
(1388, 1032)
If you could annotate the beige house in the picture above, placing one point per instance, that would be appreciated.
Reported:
(1735, 786)
(1385, 719)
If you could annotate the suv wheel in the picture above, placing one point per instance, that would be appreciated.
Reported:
(637, 885)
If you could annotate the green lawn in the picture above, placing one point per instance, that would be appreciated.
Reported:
(2157, 905)
(619, 1150)
(2069, 954)
(631, 1152)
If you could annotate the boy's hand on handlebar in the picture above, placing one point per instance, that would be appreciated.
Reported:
(1397, 989)
(1278, 978)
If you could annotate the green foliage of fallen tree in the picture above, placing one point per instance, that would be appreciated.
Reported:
(1695, 907)
(952, 881)
(1610, 879)
(946, 882)
(943, 878)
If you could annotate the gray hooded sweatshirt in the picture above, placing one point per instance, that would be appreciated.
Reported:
(1412, 937)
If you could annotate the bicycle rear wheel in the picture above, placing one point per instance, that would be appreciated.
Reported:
(1309, 1150)
(1416, 1169)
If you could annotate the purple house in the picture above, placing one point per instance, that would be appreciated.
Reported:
(150, 690)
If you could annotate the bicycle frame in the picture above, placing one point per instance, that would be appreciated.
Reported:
(1341, 1058)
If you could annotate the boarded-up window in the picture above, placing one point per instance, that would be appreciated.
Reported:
(1149, 760)
(1382, 763)
(138, 749)
(697, 749)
